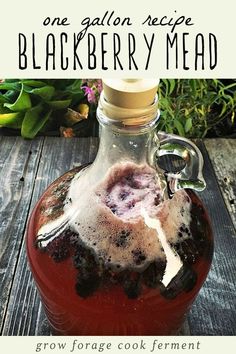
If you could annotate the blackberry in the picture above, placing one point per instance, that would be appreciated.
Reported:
(138, 256)
(60, 254)
(131, 204)
(113, 208)
(84, 259)
(129, 180)
(182, 228)
(200, 230)
(122, 239)
(59, 248)
(132, 285)
(185, 280)
(187, 250)
(87, 284)
(124, 195)
(156, 200)
(154, 273)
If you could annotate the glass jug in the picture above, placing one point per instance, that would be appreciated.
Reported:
(122, 247)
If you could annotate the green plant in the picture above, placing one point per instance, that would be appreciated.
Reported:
(192, 107)
(189, 107)
(30, 105)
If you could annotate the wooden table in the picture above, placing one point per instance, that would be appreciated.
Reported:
(28, 167)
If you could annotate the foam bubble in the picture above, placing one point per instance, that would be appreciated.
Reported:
(108, 217)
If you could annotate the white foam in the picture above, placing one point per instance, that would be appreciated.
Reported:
(100, 229)
(147, 227)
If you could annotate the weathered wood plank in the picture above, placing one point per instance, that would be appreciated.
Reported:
(25, 315)
(18, 157)
(222, 153)
(214, 312)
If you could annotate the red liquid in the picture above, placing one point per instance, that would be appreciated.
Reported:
(108, 311)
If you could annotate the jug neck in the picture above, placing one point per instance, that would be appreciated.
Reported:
(120, 143)
(124, 117)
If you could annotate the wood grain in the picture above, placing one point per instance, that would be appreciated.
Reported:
(17, 157)
(214, 311)
(223, 157)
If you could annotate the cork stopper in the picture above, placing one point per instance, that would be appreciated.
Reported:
(132, 101)
(130, 93)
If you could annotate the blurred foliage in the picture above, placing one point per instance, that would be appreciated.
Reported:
(192, 107)
(35, 106)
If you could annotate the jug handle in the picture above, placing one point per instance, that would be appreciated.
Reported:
(191, 175)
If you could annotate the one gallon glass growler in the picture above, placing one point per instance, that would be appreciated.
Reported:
(122, 246)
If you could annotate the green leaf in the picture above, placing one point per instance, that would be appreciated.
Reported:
(179, 127)
(192, 84)
(232, 117)
(74, 87)
(16, 86)
(229, 86)
(3, 99)
(11, 96)
(169, 129)
(11, 120)
(188, 125)
(165, 102)
(4, 109)
(11, 80)
(223, 110)
(33, 83)
(62, 104)
(45, 92)
(34, 120)
(76, 98)
(22, 103)
(172, 86)
(166, 87)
